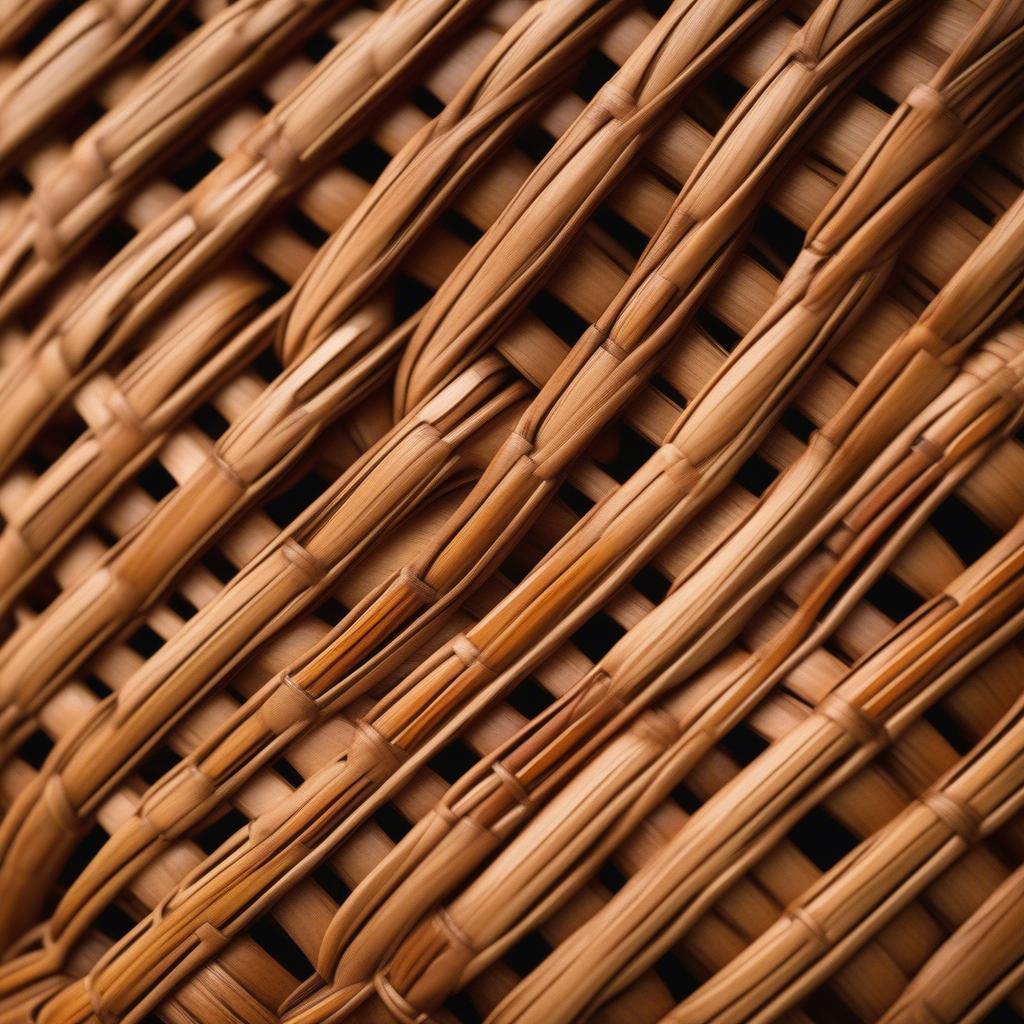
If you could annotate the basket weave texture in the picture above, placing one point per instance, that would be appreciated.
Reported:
(511, 511)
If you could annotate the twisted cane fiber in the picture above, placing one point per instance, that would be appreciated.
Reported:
(128, 419)
(882, 695)
(975, 968)
(147, 204)
(572, 836)
(399, 187)
(134, 573)
(107, 162)
(499, 644)
(686, 629)
(865, 889)
(489, 659)
(402, 184)
(520, 52)
(283, 814)
(148, 876)
(613, 1018)
(25, 556)
(422, 178)
(288, 416)
(611, 927)
(74, 612)
(976, 457)
(271, 1004)
(376, 494)
(333, 785)
(499, 275)
(82, 48)
(154, 885)
(299, 674)
(505, 267)
(276, 421)
(296, 136)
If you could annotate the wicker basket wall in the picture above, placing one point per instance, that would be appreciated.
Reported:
(511, 511)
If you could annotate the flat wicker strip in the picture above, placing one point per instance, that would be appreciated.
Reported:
(271, 163)
(162, 110)
(243, 457)
(685, 621)
(356, 562)
(184, 803)
(976, 967)
(78, 51)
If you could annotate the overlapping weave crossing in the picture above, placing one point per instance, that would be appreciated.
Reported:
(511, 511)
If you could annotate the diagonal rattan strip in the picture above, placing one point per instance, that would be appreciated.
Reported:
(298, 134)
(635, 771)
(527, 602)
(491, 655)
(865, 889)
(412, 174)
(17, 18)
(710, 602)
(423, 177)
(127, 431)
(551, 207)
(879, 698)
(81, 49)
(295, 403)
(278, 815)
(382, 489)
(975, 968)
(265, 441)
(293, 410)
(271, 1004)
(227, 457)
(727, 174)
(107, 162)
(34, 529)
(606, 930)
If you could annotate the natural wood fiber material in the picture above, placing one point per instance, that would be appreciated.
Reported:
(99, 171)
(134, 411)
(974, 968)
(19, 17)
(69, 59)
(511, 510)
(273, 161)
(84, 755)
(298, 675)
(615, 682)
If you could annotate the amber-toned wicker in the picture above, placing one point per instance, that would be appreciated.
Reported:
(511, 511)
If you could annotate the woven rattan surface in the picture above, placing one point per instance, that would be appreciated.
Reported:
(511, 511)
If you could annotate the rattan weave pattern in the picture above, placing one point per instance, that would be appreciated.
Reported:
(383, 642)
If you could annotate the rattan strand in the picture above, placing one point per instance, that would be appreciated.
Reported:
(258, 751)
(969, 421)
